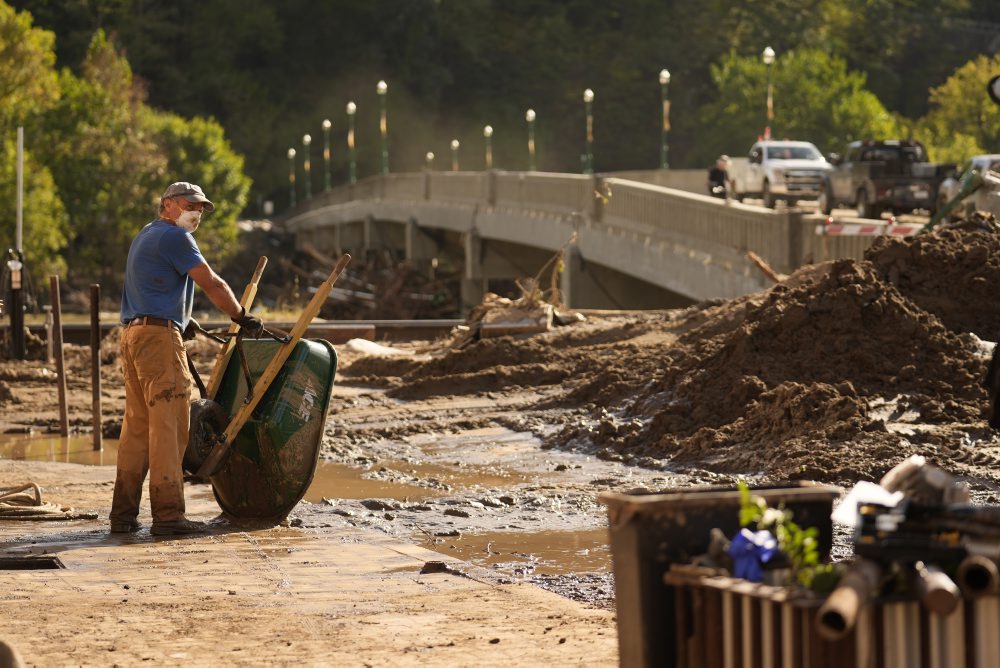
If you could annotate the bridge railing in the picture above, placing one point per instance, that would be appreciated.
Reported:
(784, 238)
(541, 191)
(676, 215)
(464, 187)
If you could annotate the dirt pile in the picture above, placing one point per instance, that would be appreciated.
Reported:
(952, 272)
(834, 374)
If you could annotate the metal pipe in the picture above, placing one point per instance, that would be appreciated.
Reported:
(838, 614)
(936, 590)
(978, 575)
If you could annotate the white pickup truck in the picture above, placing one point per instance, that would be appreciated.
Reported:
(779, 170)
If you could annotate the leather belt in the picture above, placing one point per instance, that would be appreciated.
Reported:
(150, 320)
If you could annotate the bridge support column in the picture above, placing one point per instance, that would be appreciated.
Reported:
(474, 282)
(420, 249)
(571, 282)
(368, 230)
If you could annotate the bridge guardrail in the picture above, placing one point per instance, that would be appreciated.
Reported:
(669, 212)
(466, 187)
(554, 193)
(691, 222)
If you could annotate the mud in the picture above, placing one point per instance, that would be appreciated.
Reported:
(792, 382)
(836, 374)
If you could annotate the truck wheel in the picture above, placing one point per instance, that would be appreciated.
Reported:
(768, 198)
(865, 208)
(824, 201)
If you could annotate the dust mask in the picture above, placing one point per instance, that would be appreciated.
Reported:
(189, 220)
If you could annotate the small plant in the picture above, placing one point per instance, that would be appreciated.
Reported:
(798, 544)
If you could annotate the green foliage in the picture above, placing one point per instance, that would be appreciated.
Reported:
(44, 226)
(798, 544)
(963, 121)
(27, 75)
(197, 151)
(106, 165)
(815, 99)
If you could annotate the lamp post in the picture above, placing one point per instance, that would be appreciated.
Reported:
(768, 57)
(429, 160)
(351, 110)
(291, 176)
(665, 127)
(306, 141)
(588, 100)
(488, 136)
(454, 155)
(382, 88)
(529, 116)
(326, 154)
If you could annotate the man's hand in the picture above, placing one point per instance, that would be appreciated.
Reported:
(250, 324)
(189, 332)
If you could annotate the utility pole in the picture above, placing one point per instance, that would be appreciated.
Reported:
(15, 262)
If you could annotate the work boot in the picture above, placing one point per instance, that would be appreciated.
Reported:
(178, 527)
(126, 526)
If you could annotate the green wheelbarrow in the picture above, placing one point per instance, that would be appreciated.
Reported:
(256, 435)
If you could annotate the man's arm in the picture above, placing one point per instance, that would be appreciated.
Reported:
(217, 290)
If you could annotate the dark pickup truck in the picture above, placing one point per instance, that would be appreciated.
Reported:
(877, 176)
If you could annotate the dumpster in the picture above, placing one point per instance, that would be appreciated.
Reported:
(650, 531)
(273, 457)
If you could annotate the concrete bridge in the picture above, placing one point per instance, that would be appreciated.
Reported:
(629, 240)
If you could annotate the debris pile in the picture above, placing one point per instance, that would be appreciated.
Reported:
(952, 273)
(836, 373)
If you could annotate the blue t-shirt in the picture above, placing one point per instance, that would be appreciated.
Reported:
(156, 274)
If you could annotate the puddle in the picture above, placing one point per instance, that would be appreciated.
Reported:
(71, 450)
(539, 553)
(339, 481)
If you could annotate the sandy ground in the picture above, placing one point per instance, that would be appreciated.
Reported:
(285, 595)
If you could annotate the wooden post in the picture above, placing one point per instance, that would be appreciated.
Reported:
(58, 352)
(95, 360)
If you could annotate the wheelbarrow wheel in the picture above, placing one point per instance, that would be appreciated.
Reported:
(208, 422)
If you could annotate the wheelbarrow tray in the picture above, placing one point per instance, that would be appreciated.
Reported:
(273, 457)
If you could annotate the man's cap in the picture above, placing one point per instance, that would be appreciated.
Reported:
(723, 157)
(190, 192)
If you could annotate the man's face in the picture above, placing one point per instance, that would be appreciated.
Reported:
(183, 205)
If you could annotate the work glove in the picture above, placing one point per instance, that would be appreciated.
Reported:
(250, 324)
(189, 332)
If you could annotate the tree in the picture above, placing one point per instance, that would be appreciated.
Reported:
(815, 99)
(197, 151)
(106, 165)
(28, 86)
(963, 120)
(27, 67)
(44, 220)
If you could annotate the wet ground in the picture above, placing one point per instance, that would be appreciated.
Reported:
(468, 488)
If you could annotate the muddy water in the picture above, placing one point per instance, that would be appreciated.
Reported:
(463, 463)
(532, 553)
(71, 450)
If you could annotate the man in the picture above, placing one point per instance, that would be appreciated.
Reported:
(718, 177)
(163, 265)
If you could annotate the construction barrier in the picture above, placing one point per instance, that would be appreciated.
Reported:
(889, 228)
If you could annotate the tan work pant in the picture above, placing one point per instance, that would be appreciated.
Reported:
(155, 428)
